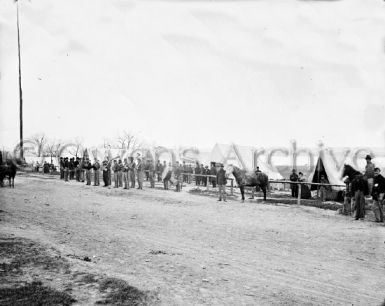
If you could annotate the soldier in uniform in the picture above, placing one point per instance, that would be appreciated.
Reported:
(72, 168)
(115, 168)
(61, 164)
(66, 166)
(213, 171)
(146, 169)
(369, 172)
(125, 171)
(120, 173)
(159, 170)
(140, 173)
(132, 169)
(77, 170)
(197, 174)
(96, 167)
(87, 166)
(294, 187)
(151, 173)
(221, 181)
(185, 171)
(106, 169)
(204, 171)
(190, 171)
(81, 169)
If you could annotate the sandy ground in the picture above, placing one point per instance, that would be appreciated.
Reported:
(188, 249)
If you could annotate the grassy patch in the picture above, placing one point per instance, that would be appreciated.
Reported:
(118, 292)
(34, 294)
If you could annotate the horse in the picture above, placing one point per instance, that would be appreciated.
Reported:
(357, 187)
(249, 179)
(8, 170)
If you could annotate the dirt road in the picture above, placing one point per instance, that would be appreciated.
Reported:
(187, 249)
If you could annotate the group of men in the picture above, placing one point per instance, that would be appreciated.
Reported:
(375, 184)
(127, 172)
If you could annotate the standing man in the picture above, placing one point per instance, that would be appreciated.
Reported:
(115, 168)
(132, 169)
(66, 166)
(151, 173)
(369, 172)
(378, 195)
(120, 173)
(294, 187)
(222, 182)
(96, 167)
(77, 170)
(159, 170)
(197, 173)
(204, 171)
(61, 164)
(140, 173)
(88, 167)
(126, 179)
(72, 168)
(213, 171)
(106, 169)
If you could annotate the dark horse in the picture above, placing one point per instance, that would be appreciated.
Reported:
(249, 179)
(8, 170)
(358, 188)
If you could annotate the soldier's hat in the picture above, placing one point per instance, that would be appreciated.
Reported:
(368, 157)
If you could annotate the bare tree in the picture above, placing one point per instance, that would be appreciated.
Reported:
(53, 148)
(76, 147)
(39, 140)
(127, 142)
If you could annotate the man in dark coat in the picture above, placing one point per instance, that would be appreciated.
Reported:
(213, 171)
(72, 168)
(61, 165)
(221, 181)
(159, 170)
(77, 169)
(65, 166)
(197, 171)
(96, 167)
(294, 187)
(378, 193)
(106, 170)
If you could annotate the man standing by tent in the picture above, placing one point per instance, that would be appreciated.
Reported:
(294, 187)
(378, 195)
(369, 172)
(222, 182)
(96, 168)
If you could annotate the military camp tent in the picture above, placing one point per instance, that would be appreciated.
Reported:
(327, 167)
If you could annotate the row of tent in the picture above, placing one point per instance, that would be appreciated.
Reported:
(243, 157)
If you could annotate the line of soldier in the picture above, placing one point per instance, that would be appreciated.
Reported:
(126, 173)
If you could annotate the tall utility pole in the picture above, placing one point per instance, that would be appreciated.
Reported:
(20, 91)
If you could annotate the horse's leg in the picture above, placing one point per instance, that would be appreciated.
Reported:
(242, 189)
(13, 182)
(264, 193)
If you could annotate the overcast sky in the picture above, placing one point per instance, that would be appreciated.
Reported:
(194, 73)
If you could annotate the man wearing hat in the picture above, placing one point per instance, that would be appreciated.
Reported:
(115, 168)
(96, 167)
(222, 182)
(140, 173)
(378, 195)
(369, 172)
(66, 166)
(61, 165)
